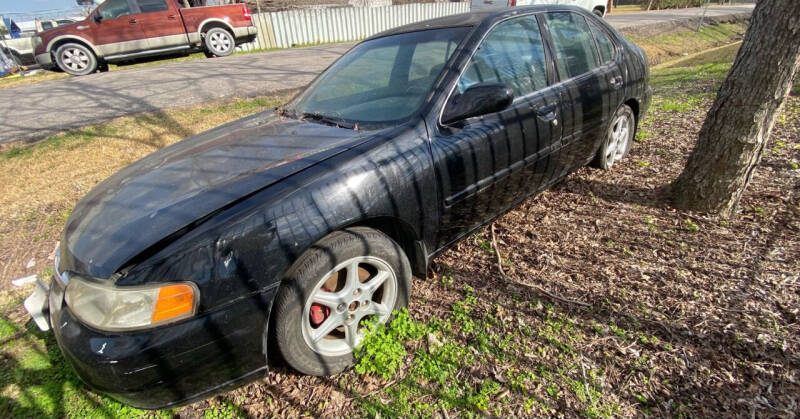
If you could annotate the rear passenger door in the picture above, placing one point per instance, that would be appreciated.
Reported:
(161, 23)
(584, 98)
(487, 163)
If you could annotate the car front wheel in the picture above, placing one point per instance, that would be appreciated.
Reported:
(346, 280)
(76, 59)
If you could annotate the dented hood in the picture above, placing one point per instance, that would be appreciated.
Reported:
(172, 188)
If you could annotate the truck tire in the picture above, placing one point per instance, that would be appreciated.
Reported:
(76, 59)
(219, 42)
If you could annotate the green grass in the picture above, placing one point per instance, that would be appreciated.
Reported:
(37, 382)
(660, 48)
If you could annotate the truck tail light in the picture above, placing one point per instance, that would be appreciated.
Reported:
(246, 12)
(512, 3)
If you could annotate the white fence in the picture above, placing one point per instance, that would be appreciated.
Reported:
(316, 26)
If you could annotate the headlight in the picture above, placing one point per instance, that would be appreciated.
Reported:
(111, 308)
(37, 42)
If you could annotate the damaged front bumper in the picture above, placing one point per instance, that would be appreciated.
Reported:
(37, 305)
(163, 366)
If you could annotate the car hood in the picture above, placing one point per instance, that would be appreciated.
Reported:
(173, 188)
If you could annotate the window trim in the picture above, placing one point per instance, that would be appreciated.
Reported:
(605, 32)
(598, 65)
(131, 6)
(549, 63)
(139, 9)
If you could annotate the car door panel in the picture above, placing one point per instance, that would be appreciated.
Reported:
(119, 30)
(161, 24)
(583, 97)
(488, 163)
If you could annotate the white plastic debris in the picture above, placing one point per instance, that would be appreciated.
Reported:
(24, 281)
(31, 263)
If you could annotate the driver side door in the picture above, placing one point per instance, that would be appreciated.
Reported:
(485, 164)
(118, 30)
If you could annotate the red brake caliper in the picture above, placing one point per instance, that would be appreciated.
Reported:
(318, 313)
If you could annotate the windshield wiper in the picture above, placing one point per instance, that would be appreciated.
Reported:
(328, 120)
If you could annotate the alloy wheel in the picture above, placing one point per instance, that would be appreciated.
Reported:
(618, 138)
(76, 59)
(220, 42)
(357, 289)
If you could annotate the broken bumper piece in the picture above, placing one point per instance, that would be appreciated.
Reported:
(37, 305)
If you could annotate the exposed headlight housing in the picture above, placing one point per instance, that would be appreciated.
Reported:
(111, 308)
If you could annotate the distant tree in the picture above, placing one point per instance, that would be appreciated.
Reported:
(740, 121)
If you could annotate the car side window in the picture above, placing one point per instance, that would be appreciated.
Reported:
(113, 9)
(604, 43)
(575, 52)
(512, 54)
(150, 6)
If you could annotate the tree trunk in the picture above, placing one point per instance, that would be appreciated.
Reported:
(740, 121)
(649, 5)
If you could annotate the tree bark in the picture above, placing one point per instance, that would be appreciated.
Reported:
(740, 121)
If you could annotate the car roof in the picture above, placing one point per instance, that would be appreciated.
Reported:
(472, 19)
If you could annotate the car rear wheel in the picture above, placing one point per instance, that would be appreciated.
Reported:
(219, 42)
(76, 59)
(619, 138)
(346, 279)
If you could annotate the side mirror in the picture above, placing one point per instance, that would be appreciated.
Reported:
(97, 17)
(478, 99)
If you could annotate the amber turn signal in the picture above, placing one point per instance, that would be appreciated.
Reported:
(173, 301)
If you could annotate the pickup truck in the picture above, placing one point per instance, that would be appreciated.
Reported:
(121, 30)
(21, 49)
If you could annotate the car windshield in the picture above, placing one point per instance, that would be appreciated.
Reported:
(381, 81)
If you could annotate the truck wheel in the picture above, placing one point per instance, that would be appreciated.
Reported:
(219, 42)
(76, 59)
(347, 277)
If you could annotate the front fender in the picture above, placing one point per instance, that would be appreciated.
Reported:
(76, 38)
(246, 249)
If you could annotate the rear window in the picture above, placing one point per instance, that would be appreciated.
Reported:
(574, 47)
(150, 6)
(604, 43)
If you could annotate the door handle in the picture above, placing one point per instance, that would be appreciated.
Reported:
(172, 17)
(549, 114)
(133, 21)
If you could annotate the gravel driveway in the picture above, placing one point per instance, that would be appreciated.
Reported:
(32, 112)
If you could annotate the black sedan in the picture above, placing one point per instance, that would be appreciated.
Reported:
(286, 230)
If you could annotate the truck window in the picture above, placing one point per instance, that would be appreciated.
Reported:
(150, 6)
(113, 9)
(47, 25)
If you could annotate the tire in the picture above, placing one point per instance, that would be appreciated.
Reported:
(219, 42)
(598, 12)
(316, 338)
(619, 138)
(76, 59)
